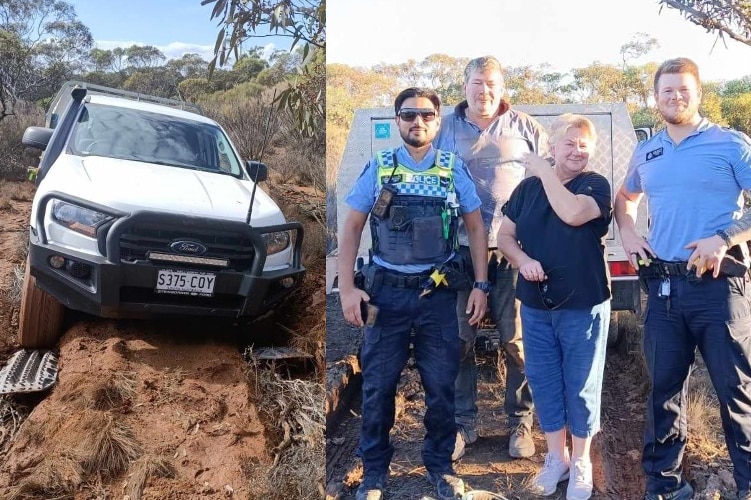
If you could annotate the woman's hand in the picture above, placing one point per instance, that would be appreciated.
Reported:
(532, 270)
(535, 164)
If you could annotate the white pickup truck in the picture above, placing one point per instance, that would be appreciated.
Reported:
(144, 208)
(373, 129)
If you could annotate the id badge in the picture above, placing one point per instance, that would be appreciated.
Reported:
(664, 290)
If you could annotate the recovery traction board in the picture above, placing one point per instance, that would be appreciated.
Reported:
(29, 370)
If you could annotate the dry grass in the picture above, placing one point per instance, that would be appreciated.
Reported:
(11, 418)
(313, 342)
(258, 476)
(93, 444)
(311, 212)
(15, 191)
(704, 423)
(146, 467)
(105, 444)
(118, 389)
(16, 157)
(293, 411)
(20, 248)
(55, 477)
(15, 290)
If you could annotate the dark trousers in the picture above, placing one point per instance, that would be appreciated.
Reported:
(384, 354)
(504, 310)
(715, 316)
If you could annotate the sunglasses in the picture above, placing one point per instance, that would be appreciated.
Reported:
(543, 287)
(410, 114)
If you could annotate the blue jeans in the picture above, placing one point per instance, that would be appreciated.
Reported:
(384, 354)
(504, 310)
(565, 363)
(713, 315)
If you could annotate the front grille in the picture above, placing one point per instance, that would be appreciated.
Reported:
(139, 239)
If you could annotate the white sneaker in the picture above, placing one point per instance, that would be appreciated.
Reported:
(553, 472)
(580, 484)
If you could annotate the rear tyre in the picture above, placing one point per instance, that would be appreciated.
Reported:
(613, 330)
(41, 316)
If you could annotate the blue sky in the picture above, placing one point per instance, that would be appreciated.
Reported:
(564, 34)
(176, 27)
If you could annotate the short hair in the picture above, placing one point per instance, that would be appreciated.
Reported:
(483, 63)
(678, 65)
(417, 92)
(566, 121)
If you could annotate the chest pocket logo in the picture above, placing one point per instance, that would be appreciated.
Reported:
(654, 154)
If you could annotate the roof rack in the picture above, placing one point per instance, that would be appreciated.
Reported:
(63, 96)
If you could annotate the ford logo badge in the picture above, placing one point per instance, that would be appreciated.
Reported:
(188, 247)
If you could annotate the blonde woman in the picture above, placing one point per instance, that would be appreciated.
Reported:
(553, 230)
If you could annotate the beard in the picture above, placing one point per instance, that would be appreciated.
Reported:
(416, 142)
(680, 117)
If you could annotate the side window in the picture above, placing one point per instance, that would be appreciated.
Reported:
(643, 133)
(224, 163)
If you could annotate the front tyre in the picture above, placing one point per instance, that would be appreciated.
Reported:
(41, 316)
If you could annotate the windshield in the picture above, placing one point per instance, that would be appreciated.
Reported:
(133, 134)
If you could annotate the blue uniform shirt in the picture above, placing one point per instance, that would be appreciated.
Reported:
(693, 188)
(365, 191)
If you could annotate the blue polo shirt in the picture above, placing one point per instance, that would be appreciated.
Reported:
(492, 157)
(693, 188)
(365, 191)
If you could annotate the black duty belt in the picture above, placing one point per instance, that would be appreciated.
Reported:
(664, 269)
(661, 268)
(401, 280)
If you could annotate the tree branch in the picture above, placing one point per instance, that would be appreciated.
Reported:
(714, 21)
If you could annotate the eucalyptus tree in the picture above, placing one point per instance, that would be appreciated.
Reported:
(41, 43)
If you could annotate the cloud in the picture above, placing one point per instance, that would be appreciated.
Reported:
(176, 50)
(268, 49)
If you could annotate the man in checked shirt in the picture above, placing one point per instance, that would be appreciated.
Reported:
(491, 137)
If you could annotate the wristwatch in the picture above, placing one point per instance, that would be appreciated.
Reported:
(485, 286)
(722, 234)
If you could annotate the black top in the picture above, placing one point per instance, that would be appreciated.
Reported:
(572, 257)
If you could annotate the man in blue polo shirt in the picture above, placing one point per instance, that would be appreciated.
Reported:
(413, 196)
(492, 137)
(694, 264)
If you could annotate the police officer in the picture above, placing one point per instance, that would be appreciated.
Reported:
(414, 195)
(693, 174)
(491, 137)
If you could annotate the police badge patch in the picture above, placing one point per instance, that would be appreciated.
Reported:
(654, 154)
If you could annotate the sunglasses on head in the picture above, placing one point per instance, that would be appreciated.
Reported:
(410, 114)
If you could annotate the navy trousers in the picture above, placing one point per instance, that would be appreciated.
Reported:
(384, 354)
(715, 316)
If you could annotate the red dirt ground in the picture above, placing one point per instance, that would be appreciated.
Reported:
(151, 410)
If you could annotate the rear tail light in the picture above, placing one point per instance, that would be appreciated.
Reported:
(621, 268)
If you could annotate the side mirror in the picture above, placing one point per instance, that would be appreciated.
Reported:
(643, 133)
(257, 171)
(37, 137)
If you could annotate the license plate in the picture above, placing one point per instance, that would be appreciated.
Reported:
(185, 282)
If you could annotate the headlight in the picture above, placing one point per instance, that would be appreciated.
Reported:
(276, 242)
(78, 219)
